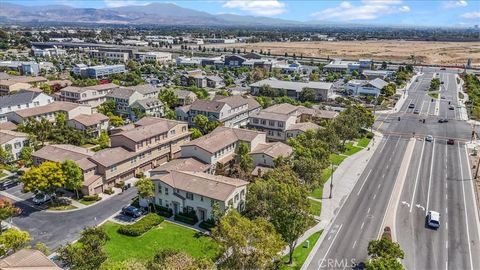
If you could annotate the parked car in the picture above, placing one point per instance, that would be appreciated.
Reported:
(451, 107)
(450, 142)
(416, 111)
(131, 211)
(433, 219)
(429, 138)
(442, 120)
(9, 183)
(42, 198)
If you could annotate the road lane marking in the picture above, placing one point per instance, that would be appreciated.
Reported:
(383, 146)
(446, 226)
(363, 223)
(379, 186)
(354, 244)
(446, 244)
(416, 178)
(374, 196)
(428, 109)
(330, 246)
(368, 211)
(446, 210)
(473, 193)
(408, 104)
(431, 173)
(421, 108)
(465, 206)
(364, 181)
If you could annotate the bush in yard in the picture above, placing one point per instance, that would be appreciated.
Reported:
(142, 226)
(187, 217)
(119, 184)
(164, 211)
(207, 224)
(109, 191)
(91, 198)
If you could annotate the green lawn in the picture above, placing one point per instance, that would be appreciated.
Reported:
(300, 253)
(363, 142)
(433, 94)
(315, 207)
(318, 192)
(166, 235)
(2, 174)
(336, 159)
(350, 149)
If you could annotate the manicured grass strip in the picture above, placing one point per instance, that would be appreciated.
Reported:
(62, 207)
(363, 142)
(300, 253)
(433, 94)
(318, 192)
(350, 149)
(165, 236)
(315, 207)
(337, 159)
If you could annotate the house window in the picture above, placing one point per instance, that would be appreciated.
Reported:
(166, 191)
(264, 122)
(189, 196)
(172, 132)
(160, 202)
(242, 193)
(159, 188)
(236, 198)
(280, 124)
(255, 121)
(201, 198)
(271, 123)
(114, 168)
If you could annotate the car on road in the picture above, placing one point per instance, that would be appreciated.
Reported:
(442, 97)
(451, 107)
(442, 82)
(411, 106)
(450, 141)
(416, 111)
(433, 219)
(429, 138)
(9, 183)
(131, 211)
(442, 120)
(41, 198)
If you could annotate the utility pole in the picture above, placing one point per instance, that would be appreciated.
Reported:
(331, 182)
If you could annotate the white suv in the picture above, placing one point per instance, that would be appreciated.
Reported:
(433, 219)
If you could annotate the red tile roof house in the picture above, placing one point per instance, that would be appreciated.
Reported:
(142, 146)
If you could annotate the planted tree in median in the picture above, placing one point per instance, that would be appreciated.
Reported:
(384, 254)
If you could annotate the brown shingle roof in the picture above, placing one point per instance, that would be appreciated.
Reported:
(207, 105)
(110, 156)
(90, 120)
(143, 132)
(27, 259)
(8, 126)
(8, 135)
(182, 164)
(283, 108)
(62, 152)
(212, 186)
(273, 150)
(223, 136)
(56, 106)
(271, 116)
(303, 126)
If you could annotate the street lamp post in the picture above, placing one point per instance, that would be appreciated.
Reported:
(331, 183)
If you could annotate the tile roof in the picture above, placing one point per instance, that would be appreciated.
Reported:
(8, 135)
(52, 107)
(223, 136)
(110, 156)
(149, 102)
(27, 259)
(272, 116)
(122, 92)
(234, 101)
(273, 150)
(208, 185)
(144, 89)
(90, 120)
(62, 152)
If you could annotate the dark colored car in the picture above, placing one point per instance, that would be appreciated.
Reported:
(131, 211)
(411, 106)
(450, 142)
(443, 120)
(8, 184)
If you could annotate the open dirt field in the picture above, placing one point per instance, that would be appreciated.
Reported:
(425, 52)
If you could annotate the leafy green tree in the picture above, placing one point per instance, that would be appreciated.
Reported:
(130, 264)
(201, 122)
(169, 113)
(107, 107)
(389, 89)
(243, 159)
(169, 259)
(26, 155)
(115, 121)
(88, 253)
(384, 254)
(73, 175)
(307, 94)
(168, 97)
(13, 240)
(6, 155)
(46, 178)
(195, 133)
(384, 65)
(7, 210)
(145, 188)
(43, 248)
(284, 202)
(245, 243)
(355, 73)
(435, 84)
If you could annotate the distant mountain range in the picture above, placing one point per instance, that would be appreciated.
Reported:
(155, 13)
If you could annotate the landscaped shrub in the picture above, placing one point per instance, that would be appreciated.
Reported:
(164, 211)
(119, 184)
(186, 217)
(142, 226)
(207, 224)
(91, 198)
(109, 191)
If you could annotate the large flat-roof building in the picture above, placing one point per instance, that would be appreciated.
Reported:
(323, 90)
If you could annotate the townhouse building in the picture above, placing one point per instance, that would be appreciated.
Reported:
(49, 111)
(22, 100)
(148, 106)
(264, 154)
(90, 95)
(93, 124)
(125, 97)
(232, 111)
(11, 86)
(13, 142)
(185, 97)
(187, 191)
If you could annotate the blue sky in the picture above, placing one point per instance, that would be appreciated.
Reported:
(381, 12)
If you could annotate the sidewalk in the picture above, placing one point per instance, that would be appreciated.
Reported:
(344, 179)
(404, 95)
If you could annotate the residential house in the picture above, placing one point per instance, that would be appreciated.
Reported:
(13, 142)
(364, 87)
(49, 111)
(181, 164)
(92, 124)
(10, 86)
(265, 154)
(27, 259)
(283, 121)
(23, 67)
(148, 106)
(220, 145)
(232, 111)
(185, 97)
(193, 77)
(125, 97)
(323, 90)
(215, 81)
(90, 95)
(22, 100)
(187, 191)
(234, 60)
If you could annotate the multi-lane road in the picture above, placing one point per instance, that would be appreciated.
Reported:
(436, 177)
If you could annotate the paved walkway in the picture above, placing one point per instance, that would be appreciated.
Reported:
(344, 179)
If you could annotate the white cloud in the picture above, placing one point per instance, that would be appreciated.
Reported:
(118, 3)
(368, 10)
(471, 15)
(455, 4)
(258, 7)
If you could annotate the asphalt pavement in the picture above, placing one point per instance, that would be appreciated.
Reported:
(438, 178)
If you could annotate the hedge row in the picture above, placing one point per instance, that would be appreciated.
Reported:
(164, 211)
(91, 198)
(189, 218)
(206, 225)
(142, 226)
